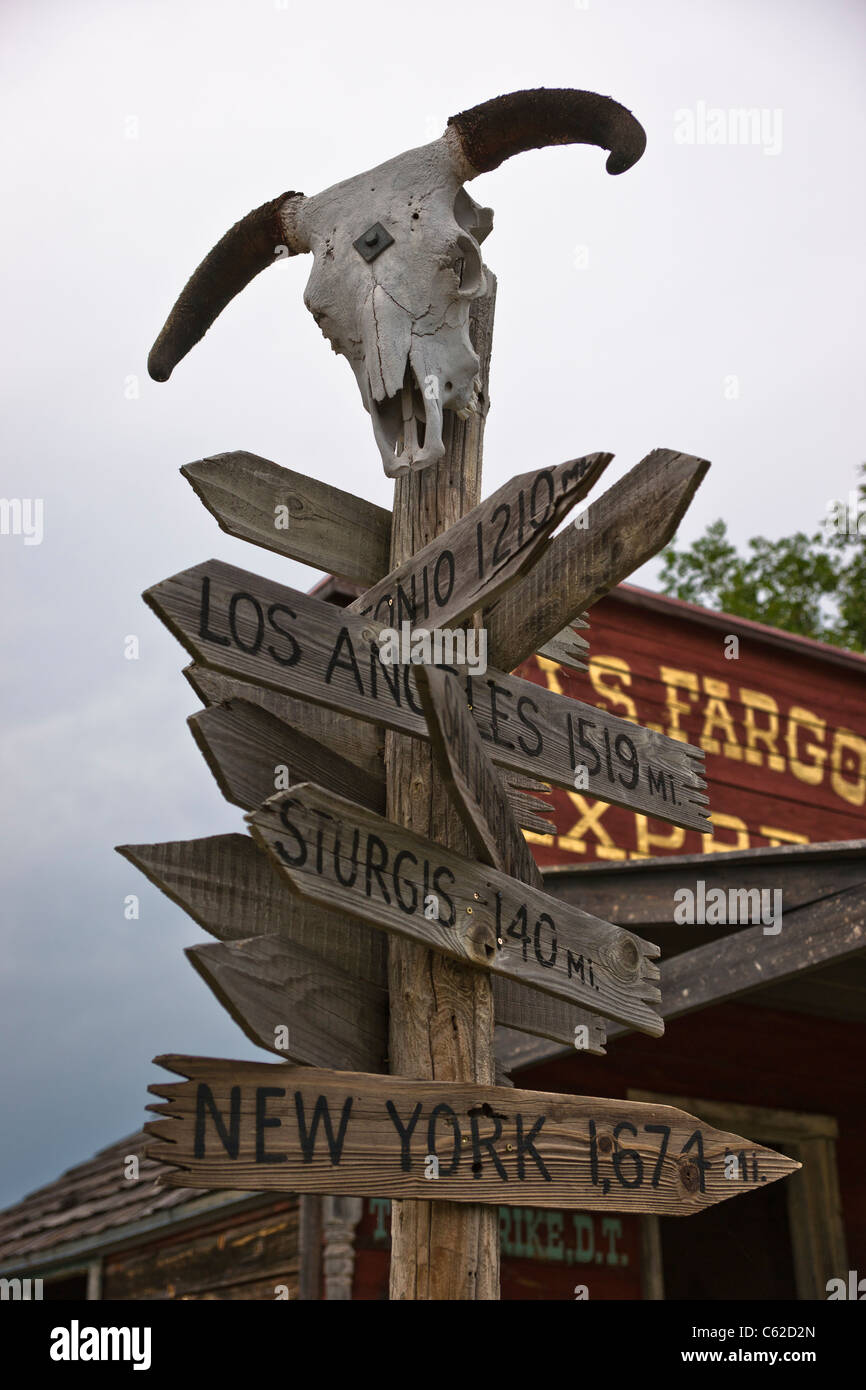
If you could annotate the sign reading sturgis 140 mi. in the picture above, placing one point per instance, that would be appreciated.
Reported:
(260, 1126)
(350, 860)
(263, 632)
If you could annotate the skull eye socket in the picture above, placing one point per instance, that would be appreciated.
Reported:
(466, 263)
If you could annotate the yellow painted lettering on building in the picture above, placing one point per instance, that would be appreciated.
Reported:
(813, 771)
(674, 682)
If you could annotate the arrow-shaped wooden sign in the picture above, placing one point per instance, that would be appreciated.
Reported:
(296, 1003)
(347, 859)
(484, 552)
(267, 1127)
(266, 633)
(252, 754)
(618, 533)
(297, 516)
(358, 742)
(231, 888)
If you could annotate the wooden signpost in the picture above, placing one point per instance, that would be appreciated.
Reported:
(388, 911)
(251, 1125)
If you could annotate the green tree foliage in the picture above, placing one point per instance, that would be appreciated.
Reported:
(814, 585)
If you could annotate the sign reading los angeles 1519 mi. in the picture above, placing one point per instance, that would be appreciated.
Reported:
(252, 1125)
(264, 632)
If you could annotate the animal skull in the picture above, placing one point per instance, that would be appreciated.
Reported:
(397, 261)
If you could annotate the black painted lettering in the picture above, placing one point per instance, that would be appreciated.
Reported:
(533, 750)
(234, 603)
(478, 1144)
(294, 654)
(229, 1137)
(438, 1110)
(527, 1146)
(347, 663)
(204, 631)
(346, 882)
(496, 715)
(443, 896)
(404, 1131)
(377, 859)
(656, 783)
(300, 855)
(442, 589)
(265, 1121)
(307, 1140)
(409, 907)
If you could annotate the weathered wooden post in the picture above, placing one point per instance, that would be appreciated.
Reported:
(441, 1024)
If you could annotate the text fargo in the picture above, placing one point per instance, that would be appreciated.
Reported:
(738, 722)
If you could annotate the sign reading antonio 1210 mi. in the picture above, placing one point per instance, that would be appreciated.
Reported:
(253, 1125)
(262, 632)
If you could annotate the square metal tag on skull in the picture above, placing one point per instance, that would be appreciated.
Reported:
(371, 242)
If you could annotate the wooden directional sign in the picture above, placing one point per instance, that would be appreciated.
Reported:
(294, 1002)
(249, 751)
(263, 632)
(265, 1127)
(231, 888)
(477, 789)
(478, 557)
(252, 753)
(346, 858)
(294, 515)
(359, 743)
(568, 648)
(625, 527)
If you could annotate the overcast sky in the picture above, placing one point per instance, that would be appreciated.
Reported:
(710, 300)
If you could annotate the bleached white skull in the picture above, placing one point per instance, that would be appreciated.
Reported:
(397, 261)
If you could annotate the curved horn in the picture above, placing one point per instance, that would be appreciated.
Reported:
(250, 246)
(507, 125)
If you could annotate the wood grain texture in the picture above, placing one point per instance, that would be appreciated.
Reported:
(568, 648)
(350, 860)
(479, 556)
(623, 529)
(442, 1013)
(263, 632)
(245, 746)
(252, 753)
(331, 1018)
(352, 739)
(230, 887)
(260, 1126)
(327, 528)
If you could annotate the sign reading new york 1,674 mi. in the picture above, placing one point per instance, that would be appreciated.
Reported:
(261, 1126)
(264, 632)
